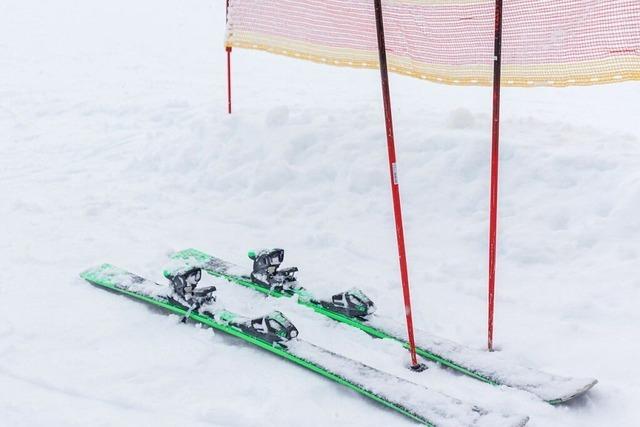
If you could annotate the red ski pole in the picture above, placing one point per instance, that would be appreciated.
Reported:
(395, 190)
(495, 140)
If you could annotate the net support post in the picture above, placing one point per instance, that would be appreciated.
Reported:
(228, 50)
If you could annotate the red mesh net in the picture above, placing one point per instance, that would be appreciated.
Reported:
(544, 42)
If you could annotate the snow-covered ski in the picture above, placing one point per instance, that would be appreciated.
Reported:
(355, 309)
(277, 335)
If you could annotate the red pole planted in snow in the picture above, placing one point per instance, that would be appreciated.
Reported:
(495, 142)
(229, 79)
(395, 191)
(228, 49)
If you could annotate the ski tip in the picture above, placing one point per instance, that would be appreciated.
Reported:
(589, 383)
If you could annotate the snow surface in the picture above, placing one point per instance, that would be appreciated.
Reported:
(115, 147)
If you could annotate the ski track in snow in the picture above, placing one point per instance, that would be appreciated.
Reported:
(116, 148)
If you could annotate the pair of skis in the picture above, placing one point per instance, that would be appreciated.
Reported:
(275, 334)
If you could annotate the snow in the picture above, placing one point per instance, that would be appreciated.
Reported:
(116, 148)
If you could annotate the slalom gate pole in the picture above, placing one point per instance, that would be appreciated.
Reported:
(495, 142)
(228, 49)
(228, 79)
(395, 191)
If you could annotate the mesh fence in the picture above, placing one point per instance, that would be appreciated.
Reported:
(544, 42)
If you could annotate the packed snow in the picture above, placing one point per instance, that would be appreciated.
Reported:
(116, 147)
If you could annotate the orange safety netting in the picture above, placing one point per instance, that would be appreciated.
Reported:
(544, 42)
